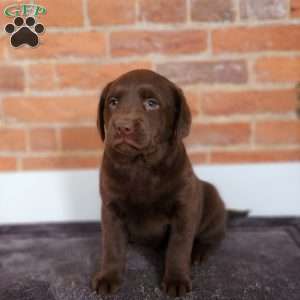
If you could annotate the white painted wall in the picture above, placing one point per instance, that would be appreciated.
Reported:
(27, 197)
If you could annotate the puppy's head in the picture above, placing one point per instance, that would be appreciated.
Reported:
(140, 111)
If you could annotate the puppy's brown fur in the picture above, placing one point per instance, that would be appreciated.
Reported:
(149, 191)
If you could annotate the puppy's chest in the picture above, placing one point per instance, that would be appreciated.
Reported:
(142, 183)
(140, 207)
(146, 218)
(146, 202)
(145, 222)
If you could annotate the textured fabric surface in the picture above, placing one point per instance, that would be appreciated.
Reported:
(259, 259)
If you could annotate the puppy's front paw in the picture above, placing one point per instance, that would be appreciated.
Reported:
(176, 287)
(105, 284)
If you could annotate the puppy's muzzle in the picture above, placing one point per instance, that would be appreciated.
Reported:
(128, 131)
(125, 128)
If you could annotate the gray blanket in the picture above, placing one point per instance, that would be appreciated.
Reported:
(259, 259)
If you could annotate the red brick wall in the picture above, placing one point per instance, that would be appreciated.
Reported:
(238, 62)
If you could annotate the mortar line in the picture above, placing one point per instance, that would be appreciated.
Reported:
(188, 12)
(237, 10)
(194, 25)
(289, 10)
(161, 58)
(85, 12)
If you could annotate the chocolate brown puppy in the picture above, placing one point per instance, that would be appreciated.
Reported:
(149, 191)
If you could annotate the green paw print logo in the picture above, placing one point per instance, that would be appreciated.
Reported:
(24, 30)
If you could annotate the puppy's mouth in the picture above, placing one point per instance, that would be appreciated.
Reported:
(126, 141)
(126, 145)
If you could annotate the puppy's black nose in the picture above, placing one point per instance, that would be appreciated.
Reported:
(124, 127)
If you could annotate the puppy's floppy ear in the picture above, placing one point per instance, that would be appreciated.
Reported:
(183, 118)
(100, 114)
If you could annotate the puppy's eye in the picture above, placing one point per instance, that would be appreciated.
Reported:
(113, 102)
(151, 104)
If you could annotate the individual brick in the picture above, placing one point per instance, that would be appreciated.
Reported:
(43, 139)
(254, 39)
(248, 102)
(278, 69)
(278, 132)
(41, 77)
(212, 11)
(163, 11)
(58, 15)
(8, 163)
(12, 139)
(80, 138)
(264, 9)
(189, 72)
(11, 79)
(219, 134)
(51, 109)
(168, 42)
(107, 12)
(94, 76)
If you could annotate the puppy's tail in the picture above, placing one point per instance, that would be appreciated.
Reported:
(233, 214)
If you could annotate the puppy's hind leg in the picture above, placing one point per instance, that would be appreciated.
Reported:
(212, 227)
